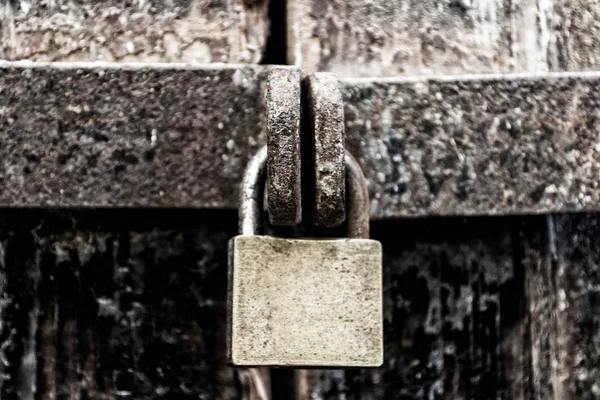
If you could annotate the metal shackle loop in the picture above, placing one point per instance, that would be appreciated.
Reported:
(253, 187)
(252, 193)
(359, 217)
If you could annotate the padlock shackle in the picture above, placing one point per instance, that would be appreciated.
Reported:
(359, 217)
(252, 192)
(253, 188)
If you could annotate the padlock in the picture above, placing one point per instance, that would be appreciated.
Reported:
(304, 302)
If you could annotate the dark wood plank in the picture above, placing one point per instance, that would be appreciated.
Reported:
(540, 299)
(127, 305)
(576, 280)
(20, 308)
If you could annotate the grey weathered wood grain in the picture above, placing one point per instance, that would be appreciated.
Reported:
(576, 279)
(539, 300)
(577, 34)
(138, 136)
(111, 30)
(389, 38)
(82, 135)
(561, 272)
(449, 146)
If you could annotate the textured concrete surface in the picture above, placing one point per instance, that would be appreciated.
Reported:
(105, 136)
(194, 31)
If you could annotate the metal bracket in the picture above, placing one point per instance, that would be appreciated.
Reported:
(326, 134)
(283, 145)
(326, 110)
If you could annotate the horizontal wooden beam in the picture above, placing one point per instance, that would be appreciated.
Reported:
(113, 135)
(170, 135)
(478, 145)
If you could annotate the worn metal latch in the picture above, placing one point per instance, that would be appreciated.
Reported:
(305, 302)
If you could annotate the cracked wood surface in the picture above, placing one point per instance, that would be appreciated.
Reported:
(110, 135)
(390, 38)
(193, 31)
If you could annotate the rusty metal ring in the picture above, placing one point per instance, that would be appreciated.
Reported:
(327, 123)
(283, 146)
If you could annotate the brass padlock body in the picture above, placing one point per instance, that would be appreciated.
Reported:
(305, 303)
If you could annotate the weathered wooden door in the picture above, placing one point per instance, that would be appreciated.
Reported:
(119, 180)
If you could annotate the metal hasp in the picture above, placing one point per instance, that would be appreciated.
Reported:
(326, 112)
(283, 146)
(299, 302)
